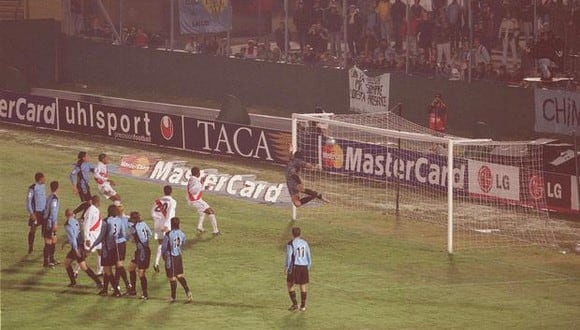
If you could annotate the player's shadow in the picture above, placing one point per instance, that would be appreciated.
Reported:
(294, 320)
(452, 270)
(225, 304)
(23, 262)
(32, 281)
(200, 238)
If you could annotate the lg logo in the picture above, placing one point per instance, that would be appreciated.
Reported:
(555, 191)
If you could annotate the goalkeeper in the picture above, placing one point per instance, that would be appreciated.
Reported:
(294, 182)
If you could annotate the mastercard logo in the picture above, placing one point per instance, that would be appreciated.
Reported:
(332, 156)
(136, 165)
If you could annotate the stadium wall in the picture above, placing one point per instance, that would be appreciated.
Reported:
(507, 113)
(480, 108)
(31, 48)
(294, 88)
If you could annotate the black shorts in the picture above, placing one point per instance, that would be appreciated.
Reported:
(142, 258)
(39, 219)
(108, 257)
(121, 251)
(85, 196)
(47, 232)
(173, 266)
(292, 185)
(73, 256)
(299, 275)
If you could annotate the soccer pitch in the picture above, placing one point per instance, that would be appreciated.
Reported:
(369, 271)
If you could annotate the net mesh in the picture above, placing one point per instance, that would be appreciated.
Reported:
(498, 192)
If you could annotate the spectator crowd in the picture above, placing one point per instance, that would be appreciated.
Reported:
(508, 43)
(510, 38)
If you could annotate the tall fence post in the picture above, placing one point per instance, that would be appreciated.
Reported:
(172, 24)
(344, 24)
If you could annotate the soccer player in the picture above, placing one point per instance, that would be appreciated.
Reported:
(141, 235)
(294, 182)
(162, 212)
(110, 255)
(298, 262)
(194, 194)
(79, 177)
(35, 205)
(104, 183)
(172, 243)
(121, 240)
(75, 239)
(92, 226)
(50, 226)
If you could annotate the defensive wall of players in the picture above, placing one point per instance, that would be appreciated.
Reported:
(557, 186)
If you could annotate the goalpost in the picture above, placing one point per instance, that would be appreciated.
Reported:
(484, 193)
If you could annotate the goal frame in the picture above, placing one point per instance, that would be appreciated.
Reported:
(448, 141)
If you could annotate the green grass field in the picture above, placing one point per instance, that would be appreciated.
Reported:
(368, 272)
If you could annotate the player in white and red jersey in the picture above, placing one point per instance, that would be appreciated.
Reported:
(92, 229)
(162, 212)
(194, 199)
(104, 183)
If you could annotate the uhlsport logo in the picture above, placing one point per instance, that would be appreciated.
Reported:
(484, 178)
(167, 129)
(536, 187)
(332, 155)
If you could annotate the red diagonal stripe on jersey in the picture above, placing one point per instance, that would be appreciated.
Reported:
(97, 224)
(160, 207)
(193, 197)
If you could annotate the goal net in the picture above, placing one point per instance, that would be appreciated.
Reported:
(383, 164)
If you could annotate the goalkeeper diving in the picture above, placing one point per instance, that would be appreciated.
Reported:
(294, 182)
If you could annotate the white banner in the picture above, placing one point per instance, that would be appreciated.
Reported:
(368, 94)
(557, 111)
(493, 180)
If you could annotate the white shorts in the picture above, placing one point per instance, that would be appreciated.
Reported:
(200, 205)
(158, 226)
(158, 233)
(106, 190)
(92, 238)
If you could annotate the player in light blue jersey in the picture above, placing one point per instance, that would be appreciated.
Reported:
(298, 262)
(35, 205)
(121, 240)
(171, 250)
(141, 234)
(75, 238)
(110, 228)
(49, 226)
(79, 178)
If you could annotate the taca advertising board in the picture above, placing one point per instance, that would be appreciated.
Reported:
(236, 140)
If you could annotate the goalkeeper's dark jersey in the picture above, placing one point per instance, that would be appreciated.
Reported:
(294, 168)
